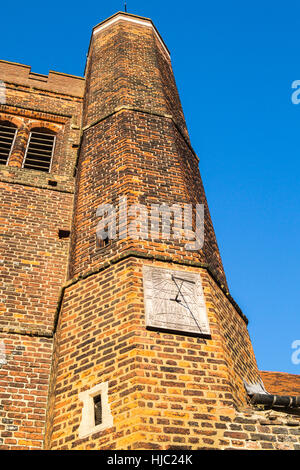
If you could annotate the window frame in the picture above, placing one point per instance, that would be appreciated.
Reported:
(87, 425)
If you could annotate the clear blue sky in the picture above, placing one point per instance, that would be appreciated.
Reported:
(234, 64)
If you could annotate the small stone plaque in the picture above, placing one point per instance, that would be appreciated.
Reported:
(174, 301)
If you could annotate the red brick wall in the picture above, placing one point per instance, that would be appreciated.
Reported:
(24, 375)
(122, 70)
(34, 261)
(55, 82)
(166, 391)
(141, 151)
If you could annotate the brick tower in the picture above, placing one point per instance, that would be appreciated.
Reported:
(135, 145)
(128, 342)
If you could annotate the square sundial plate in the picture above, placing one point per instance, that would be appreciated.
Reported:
(174, 301)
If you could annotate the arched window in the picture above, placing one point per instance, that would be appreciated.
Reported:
(39, 151)
(8, 134)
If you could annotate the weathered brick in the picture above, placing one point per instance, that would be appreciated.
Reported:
(76, 307)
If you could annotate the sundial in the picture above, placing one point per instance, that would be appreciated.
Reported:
(174, 301)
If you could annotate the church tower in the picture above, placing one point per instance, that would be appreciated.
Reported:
(148, 340)
(117, 329)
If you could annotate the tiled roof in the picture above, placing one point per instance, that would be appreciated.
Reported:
(281, 383)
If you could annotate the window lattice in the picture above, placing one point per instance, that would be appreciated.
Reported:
(39, 151)
(7, 138)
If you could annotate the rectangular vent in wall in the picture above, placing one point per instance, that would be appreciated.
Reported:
(7, 137)
(39, 151)
(63, 234)
(102, 243)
